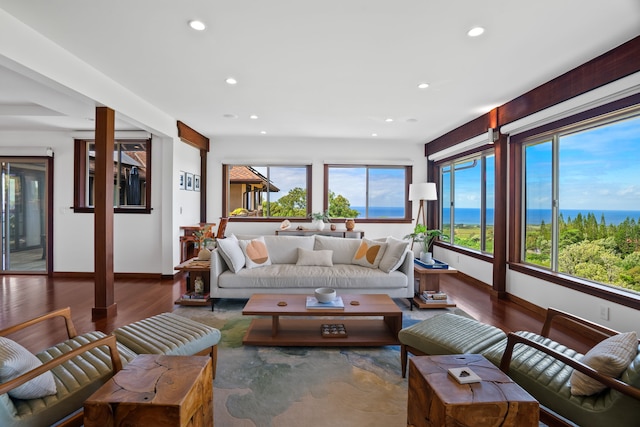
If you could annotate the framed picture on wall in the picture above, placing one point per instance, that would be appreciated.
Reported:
(188, 177)
(196, 183)
(181, 181)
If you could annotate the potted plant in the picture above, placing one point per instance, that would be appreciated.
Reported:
(425, 238)
(204, 239)
(319, 219)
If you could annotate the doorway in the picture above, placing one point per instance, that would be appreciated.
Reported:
(25, 219)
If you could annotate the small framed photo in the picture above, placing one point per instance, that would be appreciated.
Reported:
(196, 183)
(188, 177)
(181, 181)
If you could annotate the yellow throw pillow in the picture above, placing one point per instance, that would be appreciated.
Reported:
(369, 253)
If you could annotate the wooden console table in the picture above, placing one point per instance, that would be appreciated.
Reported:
(356, 234)
(429, 280)
(436, 399)
(155, 390)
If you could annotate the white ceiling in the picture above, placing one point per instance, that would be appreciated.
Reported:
(325, 69)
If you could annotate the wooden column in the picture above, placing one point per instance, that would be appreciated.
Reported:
(500, 217)
(103, 214)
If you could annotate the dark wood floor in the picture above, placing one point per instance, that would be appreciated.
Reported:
(24, 297)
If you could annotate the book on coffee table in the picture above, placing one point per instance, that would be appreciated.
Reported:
(312, 302)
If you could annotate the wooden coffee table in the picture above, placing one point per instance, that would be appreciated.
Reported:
(370, 320)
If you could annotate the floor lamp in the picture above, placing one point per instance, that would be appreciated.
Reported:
(419, 193)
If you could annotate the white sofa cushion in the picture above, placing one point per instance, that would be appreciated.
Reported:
(321, 258)
(343, 248)
(255, 252)
(284, 249)
(232, 253)
(277, 277)
(394, 254)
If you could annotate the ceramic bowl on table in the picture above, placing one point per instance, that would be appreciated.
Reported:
(325, 294)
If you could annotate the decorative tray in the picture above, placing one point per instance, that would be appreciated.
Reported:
(333, 330)
(437, 264)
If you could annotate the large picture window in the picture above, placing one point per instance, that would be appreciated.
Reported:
(260, 191)
(131, 176)
(581, 203)
(375, 193)
(469, 183)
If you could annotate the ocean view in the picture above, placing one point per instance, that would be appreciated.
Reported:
(471, 216)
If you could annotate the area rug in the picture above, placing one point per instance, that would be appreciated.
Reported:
(304, 386)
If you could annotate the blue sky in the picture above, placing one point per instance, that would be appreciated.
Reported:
(599, 169)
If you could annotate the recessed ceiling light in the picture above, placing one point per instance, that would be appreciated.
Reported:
(197, 25)
(374, 134)
(389, 120)
(263, 132)
(253, 117)
(475, 31)
(231, 81)
(423, 85)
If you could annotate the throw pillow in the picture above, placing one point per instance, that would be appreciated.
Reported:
(609, 357)
(320, 258)
(394, 254)
(255, 252)
(369, 253)
(232, 253)
(16, 360)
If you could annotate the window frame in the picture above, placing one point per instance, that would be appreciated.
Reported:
(408, 174)
(481, 156)
(225, 192)
(81, 170)
(606, 113)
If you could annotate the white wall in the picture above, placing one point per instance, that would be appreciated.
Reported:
(317, 152)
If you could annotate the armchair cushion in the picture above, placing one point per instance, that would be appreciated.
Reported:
(609, 357)
(16, 360)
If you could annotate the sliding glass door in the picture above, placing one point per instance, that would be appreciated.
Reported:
(24, 213)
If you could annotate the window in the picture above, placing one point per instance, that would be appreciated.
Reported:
(266, 191)
(581, 207)
(469, 183)
(368, 192)
(131, 176)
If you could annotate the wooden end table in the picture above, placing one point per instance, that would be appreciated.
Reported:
(380, 330)
(155, 390)
(196, 268)
(437, 399)
(429, 280)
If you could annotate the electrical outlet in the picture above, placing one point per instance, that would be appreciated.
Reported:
(604, 312)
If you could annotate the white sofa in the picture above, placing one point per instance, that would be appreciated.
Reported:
(285, 274)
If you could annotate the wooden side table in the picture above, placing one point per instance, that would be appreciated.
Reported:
(429, 280)
(437, 399)
(196, 268)
(155, 390)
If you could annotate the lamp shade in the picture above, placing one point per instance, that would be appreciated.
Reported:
(423, 191)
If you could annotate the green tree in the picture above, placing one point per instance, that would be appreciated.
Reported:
(340, 207)
(292, 204)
